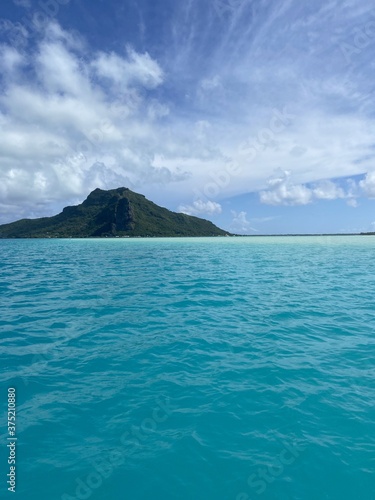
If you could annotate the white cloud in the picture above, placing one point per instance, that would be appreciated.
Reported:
(157, 110)
(63, 134)
(201, 129)
(261, 220)
(368, 184)
(135, 69)
(73, 40)
(68, 110)
(200, 207)
(327, 190)
(240, 224)
(59, 70)
(352, 202)
(282, 191)
(10, 60)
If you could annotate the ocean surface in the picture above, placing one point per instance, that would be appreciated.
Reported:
(191, 369)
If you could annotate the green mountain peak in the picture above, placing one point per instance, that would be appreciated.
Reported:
(114, 213)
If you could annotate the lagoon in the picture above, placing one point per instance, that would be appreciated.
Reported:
(191, 368)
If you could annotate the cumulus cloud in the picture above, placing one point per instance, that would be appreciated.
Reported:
(64, 134)
(200, 207)
(59, 70)
(327, 190)
(240, 224)
(135, 69)
(282, 191)
(368, 184)
(10, 60)
(66, 108)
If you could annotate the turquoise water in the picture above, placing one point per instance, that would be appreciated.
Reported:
(192, 369)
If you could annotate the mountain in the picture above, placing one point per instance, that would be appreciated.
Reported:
(117, 212)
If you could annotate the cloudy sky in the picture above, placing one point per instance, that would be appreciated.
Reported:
(258, 115)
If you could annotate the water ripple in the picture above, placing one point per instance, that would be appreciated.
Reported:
(198, 363)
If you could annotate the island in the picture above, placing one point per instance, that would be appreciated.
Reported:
(112, 213)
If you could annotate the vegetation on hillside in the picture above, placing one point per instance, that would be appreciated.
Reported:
(118, 212)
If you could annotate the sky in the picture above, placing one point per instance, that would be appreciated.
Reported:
(256, 115)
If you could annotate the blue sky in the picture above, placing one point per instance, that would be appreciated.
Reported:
(257, 115)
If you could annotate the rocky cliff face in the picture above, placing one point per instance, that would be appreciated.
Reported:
(117, 215)
(124, 214)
